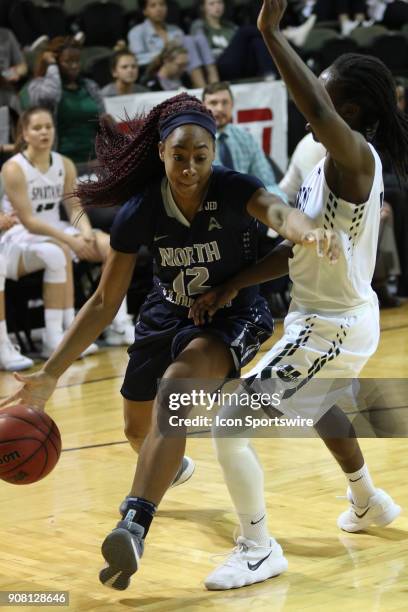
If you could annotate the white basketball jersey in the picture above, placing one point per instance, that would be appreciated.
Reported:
(45, 190)
(318, 285)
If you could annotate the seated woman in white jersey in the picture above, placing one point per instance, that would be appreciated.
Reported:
(10, 356)
(36, 181)
(332, 328)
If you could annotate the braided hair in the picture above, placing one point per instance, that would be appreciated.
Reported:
(128, 154)
(365, 80)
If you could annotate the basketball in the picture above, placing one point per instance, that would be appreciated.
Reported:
(30, 445)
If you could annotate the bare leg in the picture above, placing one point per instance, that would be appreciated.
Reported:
(345, 450)
(138, 418)
(160, 456)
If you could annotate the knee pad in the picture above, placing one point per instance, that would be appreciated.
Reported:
(3, 270)
(48, 257)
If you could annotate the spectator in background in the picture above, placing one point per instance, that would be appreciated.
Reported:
(75, 101)
(125, 71)
(236, 148)
(10, 357)
(12, 64)
(147, 40)
(240, 51)
(168, 71)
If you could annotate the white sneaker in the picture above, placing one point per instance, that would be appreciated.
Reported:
(380, 511)
(120, 334)
(248, 563)
(11, 359)
(185, 472)
(91, 350)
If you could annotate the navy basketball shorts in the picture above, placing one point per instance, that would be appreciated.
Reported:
(161, 333)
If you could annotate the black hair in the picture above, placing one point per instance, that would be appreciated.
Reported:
(366, 81)
(128, 154)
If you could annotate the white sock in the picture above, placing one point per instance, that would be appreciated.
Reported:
(361, 486)
(255, 527)
(68, 317)
(53, 325)
(3, 331)
(243, 476)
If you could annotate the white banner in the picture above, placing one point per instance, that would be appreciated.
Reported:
(260, 108)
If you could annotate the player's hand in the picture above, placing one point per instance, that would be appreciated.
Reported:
(207, 304)
(83, 248)
(7, 221)
(34, 391)
(326, 242)
(271, 14)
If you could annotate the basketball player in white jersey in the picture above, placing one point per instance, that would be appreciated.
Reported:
(332, 328)
(36, 181)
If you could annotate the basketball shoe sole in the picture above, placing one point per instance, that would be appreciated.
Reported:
(122, 550)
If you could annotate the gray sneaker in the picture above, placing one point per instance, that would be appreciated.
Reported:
(185, 472)
(122, 550)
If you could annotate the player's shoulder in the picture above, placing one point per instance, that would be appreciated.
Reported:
(12, 168)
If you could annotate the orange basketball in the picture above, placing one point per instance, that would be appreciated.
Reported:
(30, 445)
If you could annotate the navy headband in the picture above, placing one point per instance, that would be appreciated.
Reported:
(187, 117)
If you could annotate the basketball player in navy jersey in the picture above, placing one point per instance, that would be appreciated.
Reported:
(201, 223)
(332, 328)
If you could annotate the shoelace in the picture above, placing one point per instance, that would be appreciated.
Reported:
(240, 547)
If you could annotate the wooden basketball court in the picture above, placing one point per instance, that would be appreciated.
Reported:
(51, 531)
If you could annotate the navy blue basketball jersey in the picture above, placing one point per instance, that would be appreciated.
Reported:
(192, 257)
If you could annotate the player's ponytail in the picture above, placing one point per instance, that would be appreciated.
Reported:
(128, 153)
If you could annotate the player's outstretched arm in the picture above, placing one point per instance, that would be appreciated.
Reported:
(293, 225)
(89, 323)
(274, 265)
(346, 146)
